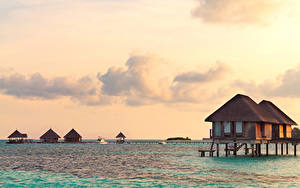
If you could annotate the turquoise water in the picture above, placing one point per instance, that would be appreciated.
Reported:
(142, 165)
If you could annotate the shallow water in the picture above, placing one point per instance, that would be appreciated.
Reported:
(135, 165)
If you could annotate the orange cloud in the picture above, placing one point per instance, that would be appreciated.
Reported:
(286, 85)
(138, 83)
(237, 11)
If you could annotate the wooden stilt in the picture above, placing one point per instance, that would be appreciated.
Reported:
(259, 150)
(295, 150)
(226, 150)
(246, 149)
(287, 148)
(267, 149)
(252, 148)
(235, 148)
(276, 149)
(217, 150)
(281, 148)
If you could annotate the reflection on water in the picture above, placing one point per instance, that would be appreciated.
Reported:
(139, 165)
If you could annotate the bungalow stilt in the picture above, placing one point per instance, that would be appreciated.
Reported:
(281, 148)
(287, 148)
(276, 149)
(235, 148)
(226, 150)
(267, 149)
(246, 149)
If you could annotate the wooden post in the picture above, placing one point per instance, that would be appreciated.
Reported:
(295, 150)
(259, 150)
(217, 150)
(276, 149)
(287, 148)
(246, 149)
(267, 149)
(203, 154)
(226, 150)
(252, 148)
(235, 147)
(281, 148)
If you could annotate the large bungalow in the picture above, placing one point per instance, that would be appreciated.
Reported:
(17, 137)
(50, 137)
(243, 121)
(72, 136)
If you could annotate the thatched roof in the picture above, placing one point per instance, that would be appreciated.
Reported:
(50, 134)
(277, 113)
(120, 135)
(72, 134)
(17, 134)
(241, 108)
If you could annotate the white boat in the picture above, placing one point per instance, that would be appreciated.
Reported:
(102, 141)
(163, 142)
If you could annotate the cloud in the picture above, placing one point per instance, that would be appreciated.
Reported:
(140, 82)
(286, 85)
(38, 87)
(237, 11)
(212, 74)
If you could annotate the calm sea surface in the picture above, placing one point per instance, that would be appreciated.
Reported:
(139, 165)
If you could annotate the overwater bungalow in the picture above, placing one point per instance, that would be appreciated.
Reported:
(72, 136)
(50, 137)
(120, 138)
(16, 138)
(241, 121)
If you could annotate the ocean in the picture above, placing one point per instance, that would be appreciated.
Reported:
(140, 165)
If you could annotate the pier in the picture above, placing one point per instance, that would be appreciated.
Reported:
(253, 148)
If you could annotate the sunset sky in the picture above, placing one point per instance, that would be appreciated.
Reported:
(148, 68)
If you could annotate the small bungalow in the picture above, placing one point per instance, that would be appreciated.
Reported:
(72, 136)
(50, 137)
(120, 138)
(242, 121)
(16, 137)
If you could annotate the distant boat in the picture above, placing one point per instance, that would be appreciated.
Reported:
(101, 141)
(162, 142)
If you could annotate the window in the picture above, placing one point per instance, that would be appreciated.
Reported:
(227, 127)
(281, 135)
(239, 127)
(217, 129)
(288, 131)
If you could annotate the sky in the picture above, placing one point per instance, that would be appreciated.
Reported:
(152, 69)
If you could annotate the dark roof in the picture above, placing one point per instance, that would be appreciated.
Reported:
(17, 134)
(277, 113)
(241, 108)
(50, 134)
(120, 135)
(72, 134)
